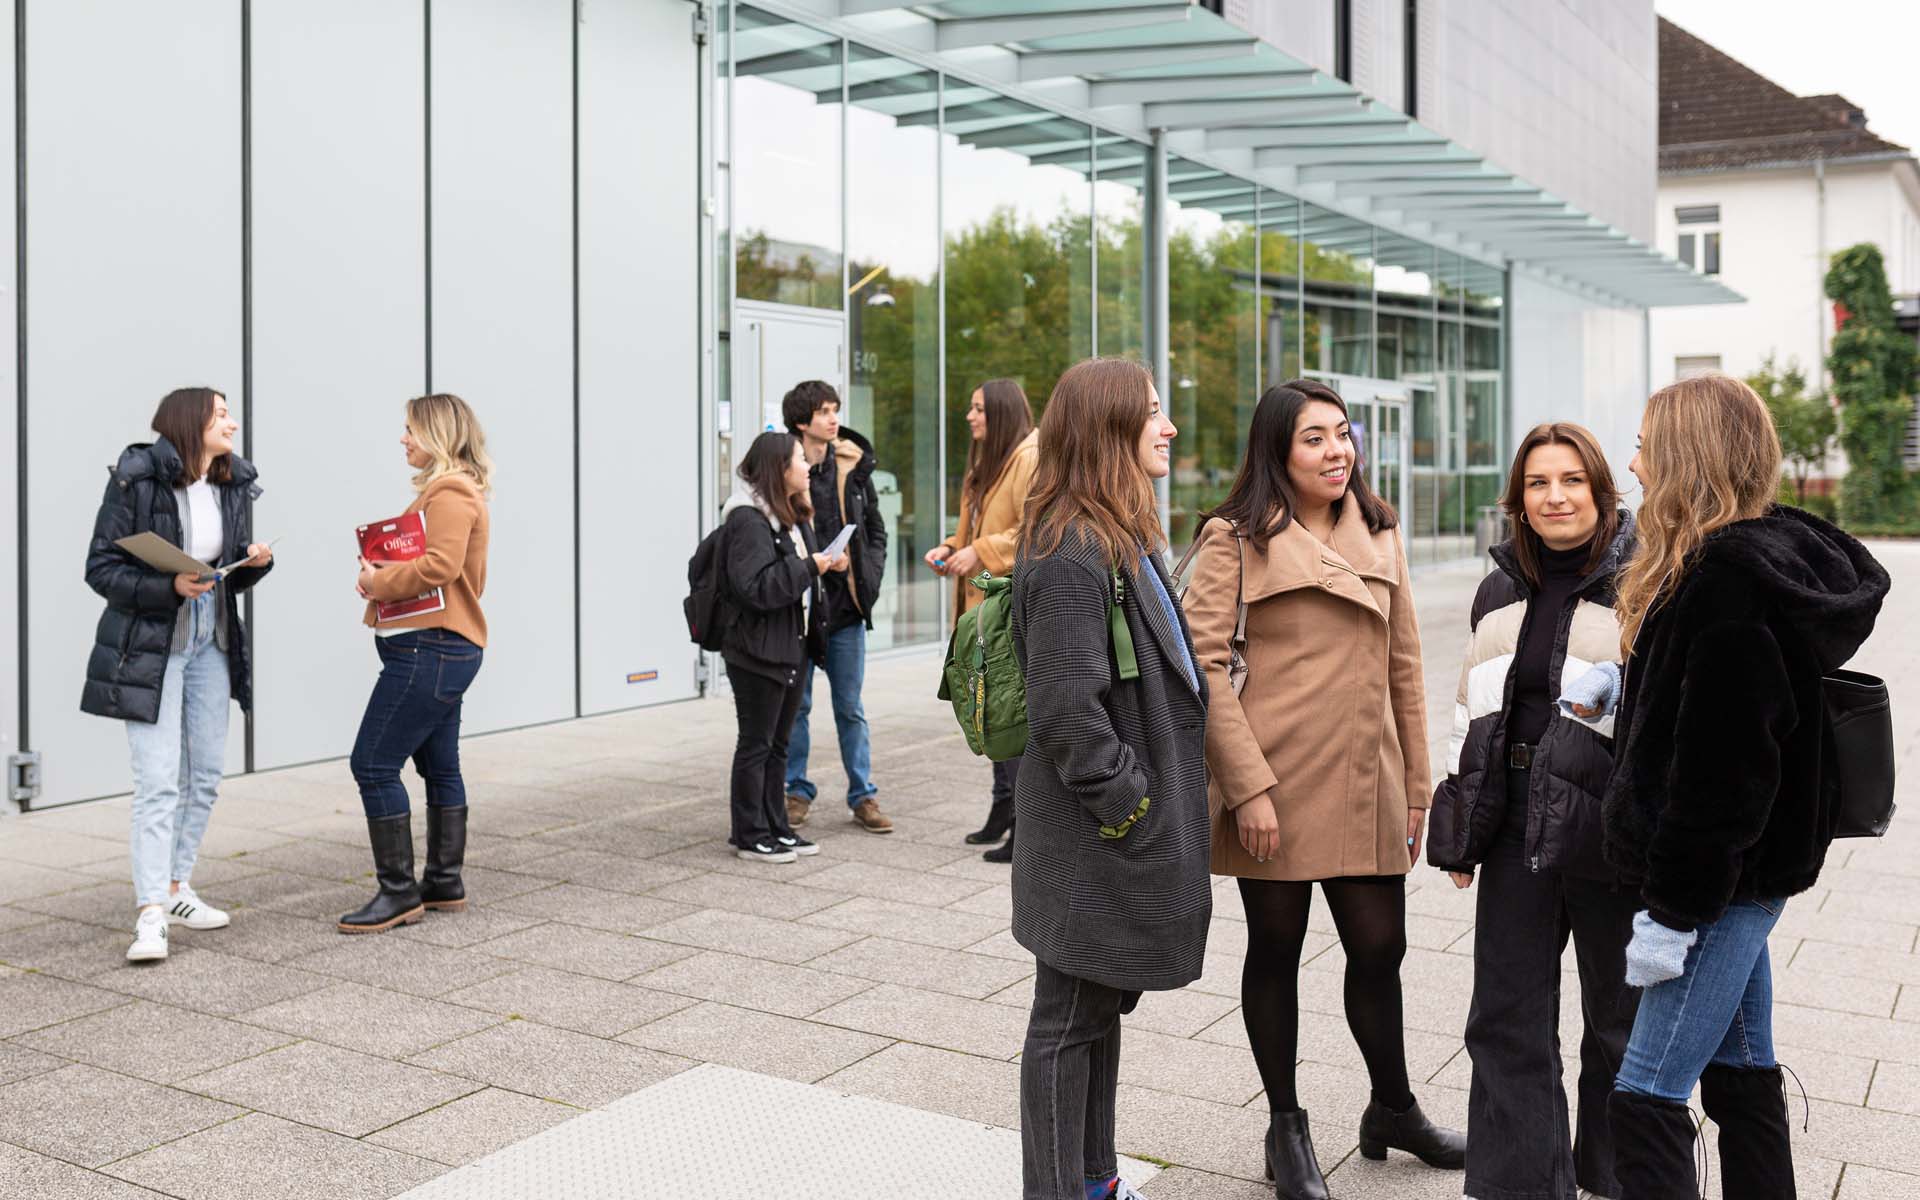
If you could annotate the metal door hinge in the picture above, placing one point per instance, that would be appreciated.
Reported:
(23, 778)
(702, 25)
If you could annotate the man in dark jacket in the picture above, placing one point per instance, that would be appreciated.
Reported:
(843, 494)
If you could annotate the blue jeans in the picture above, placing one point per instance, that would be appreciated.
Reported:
(178, 759)
(846, 674)
(1718, 1010)
(414, 712)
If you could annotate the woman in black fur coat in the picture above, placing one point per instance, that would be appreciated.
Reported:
(1731, 610)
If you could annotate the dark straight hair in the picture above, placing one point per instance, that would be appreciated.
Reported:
(182, 419)
(1009, 421)
(1606, 497)
(764, 469)
(1262, 500)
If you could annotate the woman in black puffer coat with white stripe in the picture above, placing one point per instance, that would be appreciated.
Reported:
(1521, 805)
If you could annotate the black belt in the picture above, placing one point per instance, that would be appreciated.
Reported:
(1519, 756)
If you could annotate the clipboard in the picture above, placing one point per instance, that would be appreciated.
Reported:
(162, 555)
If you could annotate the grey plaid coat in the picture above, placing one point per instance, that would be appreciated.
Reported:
(1129, 912)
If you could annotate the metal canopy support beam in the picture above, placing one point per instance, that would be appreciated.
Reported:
(1058, 64)
(963, 32)
(1415, 187)
(1157, 310)
(1268, 157)
(1105, 93)
(1207, 114)
(1451, 169)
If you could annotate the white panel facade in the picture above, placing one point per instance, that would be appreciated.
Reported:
(639, 333)
(502, 313)
(9, 425)
(1575, 359)
(134, 289)
(339, 340)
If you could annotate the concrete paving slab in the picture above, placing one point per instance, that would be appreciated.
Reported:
(554, 1064)
(330, 1088)
(932, 1019)
(473, 1126)
(757, 937)
(595, 952)
(609, 871)
(402, 964)
(950, 971)
(207, 981)
(765, 1043)
(569, 1001)
(753, 983)
(370, 1020)
(968, 1086)
(477, 923)
(30, 1001)
(154, 1042)
(1867, 1183)
(908, 886)
(260, 1157)
(765, 897)
(24, 1173)
(596, 908)
(17, 1063)
(947, 928)
(68, 949)
(90, 1117)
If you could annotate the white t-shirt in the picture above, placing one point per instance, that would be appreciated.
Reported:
(209, 533)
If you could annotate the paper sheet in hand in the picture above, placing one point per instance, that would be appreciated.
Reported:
(834, 548)
(162, 555)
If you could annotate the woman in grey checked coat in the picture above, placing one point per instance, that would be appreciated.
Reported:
(1111, 890)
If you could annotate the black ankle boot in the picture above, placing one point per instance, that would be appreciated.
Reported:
(1750, 1107)
(1382, 1129)
(999, 821)
(1653, 1148)
(1003, 853)
(398, 901)
(440, 885)
(1290, 1160)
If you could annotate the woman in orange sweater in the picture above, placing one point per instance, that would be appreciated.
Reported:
(427, 662)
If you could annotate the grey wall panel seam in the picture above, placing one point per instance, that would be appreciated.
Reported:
(20, 353)
(246, 310)
(426, 109)
(579, 650)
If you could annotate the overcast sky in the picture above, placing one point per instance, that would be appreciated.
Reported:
(1863, 49)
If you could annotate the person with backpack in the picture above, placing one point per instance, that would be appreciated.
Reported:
(1317, 744)
(840, 486)
(1110, 886)
(1521, 805)
(170, 650)
(774, 632)
(993, 497)
(428, 660)
(1723, 799)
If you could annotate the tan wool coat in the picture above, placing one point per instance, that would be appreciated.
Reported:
(994, 533)
(1332, 721)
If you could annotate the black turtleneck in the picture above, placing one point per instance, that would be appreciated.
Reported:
(1533, 692)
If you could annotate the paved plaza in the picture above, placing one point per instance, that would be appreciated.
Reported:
(614, 944)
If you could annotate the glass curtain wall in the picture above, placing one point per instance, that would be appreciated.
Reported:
(893, 323)
(1018, 202)
(786, 162)
(1337, 264)
(1119, 248)
(1280, 296)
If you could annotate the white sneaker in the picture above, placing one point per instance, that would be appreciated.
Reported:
(193, 912)
(149, 936)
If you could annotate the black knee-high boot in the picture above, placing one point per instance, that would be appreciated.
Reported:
(398, 900)
(440, 885)
(1652, 1148)
(1756, 1151)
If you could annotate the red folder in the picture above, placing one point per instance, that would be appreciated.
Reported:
(399, 540)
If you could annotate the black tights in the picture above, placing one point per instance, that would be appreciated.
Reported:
(1370, 913)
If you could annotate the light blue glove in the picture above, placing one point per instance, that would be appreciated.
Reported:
(1656, 953)
(1598, 689)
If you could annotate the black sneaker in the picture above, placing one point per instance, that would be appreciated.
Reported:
(764, 851)
(797, 844)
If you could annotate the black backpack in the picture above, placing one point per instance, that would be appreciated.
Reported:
(708, 608)
(1860, 731)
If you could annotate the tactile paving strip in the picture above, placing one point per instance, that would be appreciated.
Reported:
(715, 1133)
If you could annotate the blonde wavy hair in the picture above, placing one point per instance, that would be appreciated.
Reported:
(1711, 457)
(444, 426)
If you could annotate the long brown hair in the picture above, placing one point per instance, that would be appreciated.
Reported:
(764, 469)
(1606, 497)
(182, 419)
(1262, 498)
(1711, 457)
(1089, 471)
(1009, 421)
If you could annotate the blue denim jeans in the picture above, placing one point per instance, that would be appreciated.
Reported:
(846, 674)
(414, 713)
(1718, 1010)
(178, 759)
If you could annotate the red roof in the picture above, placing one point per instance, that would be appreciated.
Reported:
(1718, 114)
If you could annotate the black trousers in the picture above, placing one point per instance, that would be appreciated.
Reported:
(1005, 776)
(1069, 1072)
(1518, 1146)
(765, 710)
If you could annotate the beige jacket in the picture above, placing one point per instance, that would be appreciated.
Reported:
(995, 534)
(1332, 721)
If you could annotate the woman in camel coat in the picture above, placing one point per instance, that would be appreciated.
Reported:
(1319, 766)
(993, 498)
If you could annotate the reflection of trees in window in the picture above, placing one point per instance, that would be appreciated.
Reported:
(1213, 331)
(787, 273)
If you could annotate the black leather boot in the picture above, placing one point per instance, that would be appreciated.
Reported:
(398, 900)
(999, 821)
(1290, 1160)
(1756, 1153)
(1382, 1129)
(1653, 1148)
(1003, 853)
(440, 886)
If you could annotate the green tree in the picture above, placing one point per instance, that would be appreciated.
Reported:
(1805, 422)
(1872, 364)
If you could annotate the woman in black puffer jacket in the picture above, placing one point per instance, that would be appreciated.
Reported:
(774, 634)
(170, 650)
(1521, 804)
(1719, 810)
